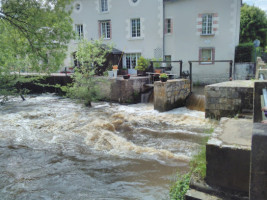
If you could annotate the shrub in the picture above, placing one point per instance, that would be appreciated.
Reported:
(142, 64)
(163, 75)
(244, 52)
(180, 187)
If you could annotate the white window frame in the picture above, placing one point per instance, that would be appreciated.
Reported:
(136, 28)
(131, 60)
(202, 61)
(79, 31)
(207, 21)
(105, 29)
(103, 6)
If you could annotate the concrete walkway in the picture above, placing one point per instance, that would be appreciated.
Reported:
(237, 132)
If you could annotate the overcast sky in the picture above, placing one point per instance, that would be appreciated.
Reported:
(259, 3)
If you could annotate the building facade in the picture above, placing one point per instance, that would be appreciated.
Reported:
(204, 30)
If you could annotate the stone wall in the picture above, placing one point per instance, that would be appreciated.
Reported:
(122, 90)
(228, 99)
(259, 65)
(244, 71)
(171, 94)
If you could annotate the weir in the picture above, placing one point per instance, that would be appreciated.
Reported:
(165, 95)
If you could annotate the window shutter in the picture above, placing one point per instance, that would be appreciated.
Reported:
(200, 56)
(171, 26)
(166, 26)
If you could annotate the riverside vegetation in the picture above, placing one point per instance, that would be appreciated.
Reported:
(197, 169)
(34, 36)
(90, 55)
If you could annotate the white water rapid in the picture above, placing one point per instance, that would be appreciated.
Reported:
(54, 148)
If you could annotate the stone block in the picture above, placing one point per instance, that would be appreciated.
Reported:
(168, 95)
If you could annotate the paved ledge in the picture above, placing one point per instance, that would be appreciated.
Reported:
(236, 132)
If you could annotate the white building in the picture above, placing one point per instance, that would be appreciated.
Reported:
(184, 30)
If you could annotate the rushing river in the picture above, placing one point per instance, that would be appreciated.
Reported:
(54, 148)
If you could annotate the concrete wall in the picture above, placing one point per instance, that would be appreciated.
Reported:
(170, 94)
(258, 181)
(244, 71)
(228, 168)
(228, 99)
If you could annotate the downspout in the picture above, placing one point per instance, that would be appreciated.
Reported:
(163, 35)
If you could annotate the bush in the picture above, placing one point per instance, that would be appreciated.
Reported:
(244, 52)
(142, 64)
(180, 187)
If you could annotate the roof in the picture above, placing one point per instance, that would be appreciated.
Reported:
(113, 50)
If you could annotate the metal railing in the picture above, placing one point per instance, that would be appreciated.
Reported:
(263, 97)
(178, 61)
(213, 61)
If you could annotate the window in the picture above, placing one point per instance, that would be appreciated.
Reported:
(79, 31)
(104, 5)
(168, 60)
(78, 6)
(207, 24)
(206, 55)
(131, 59)
(105, 29)
(168, 26)
(136, 28)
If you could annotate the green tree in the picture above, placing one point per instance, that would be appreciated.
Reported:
(34, 35)
(90, 55)
(253, 25)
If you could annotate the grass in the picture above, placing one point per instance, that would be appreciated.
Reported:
(197, 169)
(180, 187)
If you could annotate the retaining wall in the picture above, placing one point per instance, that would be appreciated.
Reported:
(258, 177)
(171, 94)
(228, 99)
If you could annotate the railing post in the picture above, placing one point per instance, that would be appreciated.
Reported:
(230, 70)
(190, 75)
(181, 68)
(151, 66)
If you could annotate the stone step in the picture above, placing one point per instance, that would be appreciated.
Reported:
(193, 194)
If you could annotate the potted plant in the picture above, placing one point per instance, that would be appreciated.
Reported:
(110, 71)
(142, 65)
(163, 77)
(156, 65)
(123, 71)
(126, 76)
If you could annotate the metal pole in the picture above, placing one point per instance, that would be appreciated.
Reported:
(181, 68)
(190, 68)
(230, 70)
